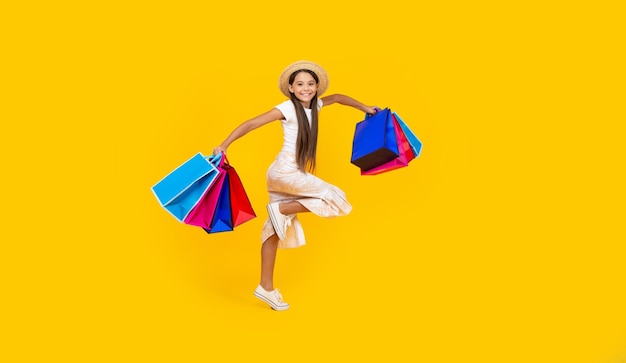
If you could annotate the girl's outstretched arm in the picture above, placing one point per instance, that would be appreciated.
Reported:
(348, 101)
(247, 126)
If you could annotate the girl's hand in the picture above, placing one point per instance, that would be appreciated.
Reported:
(219, 149)
(370, 110)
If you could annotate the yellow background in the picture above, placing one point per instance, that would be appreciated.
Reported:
(503, 242)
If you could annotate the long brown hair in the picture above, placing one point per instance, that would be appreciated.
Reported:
(306, 144)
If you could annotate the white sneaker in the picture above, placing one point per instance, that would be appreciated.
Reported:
(279, 220)
(273, 298)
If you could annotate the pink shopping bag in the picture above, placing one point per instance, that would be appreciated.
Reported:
(203, 212)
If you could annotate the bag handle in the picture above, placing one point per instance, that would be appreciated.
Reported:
(217, 160)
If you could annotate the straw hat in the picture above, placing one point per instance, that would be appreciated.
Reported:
(283, 81)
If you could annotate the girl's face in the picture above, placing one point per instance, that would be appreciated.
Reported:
(304, 88)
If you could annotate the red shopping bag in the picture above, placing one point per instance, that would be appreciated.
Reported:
(405, 151)
(241, 206)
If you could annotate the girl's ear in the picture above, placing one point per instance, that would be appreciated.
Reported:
(290, 89)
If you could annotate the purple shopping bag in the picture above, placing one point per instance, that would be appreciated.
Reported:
(406, 153)
(374, 142)
(223, 215)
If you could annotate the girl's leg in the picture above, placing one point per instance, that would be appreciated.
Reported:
(270, 246)
(268, 258)
(265, 291)
(292, 208)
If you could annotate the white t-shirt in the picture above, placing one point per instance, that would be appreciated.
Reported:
(287, 154)
(289, 110)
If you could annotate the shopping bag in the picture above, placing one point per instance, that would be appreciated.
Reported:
(181, 190)
(202, 214)
(241, 206)
(406, 153)
(374, 142)
(416, 144)
(222, 218)
(233, 206)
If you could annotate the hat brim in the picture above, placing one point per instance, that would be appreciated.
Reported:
(283, 81)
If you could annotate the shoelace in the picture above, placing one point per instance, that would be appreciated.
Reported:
(288, 221)
(278, 296)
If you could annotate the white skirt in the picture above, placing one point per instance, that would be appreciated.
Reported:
(286, 183)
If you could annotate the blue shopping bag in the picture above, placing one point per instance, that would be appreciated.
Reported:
(416, 144)
(374, 142)
(180, 190)
(223, 217)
